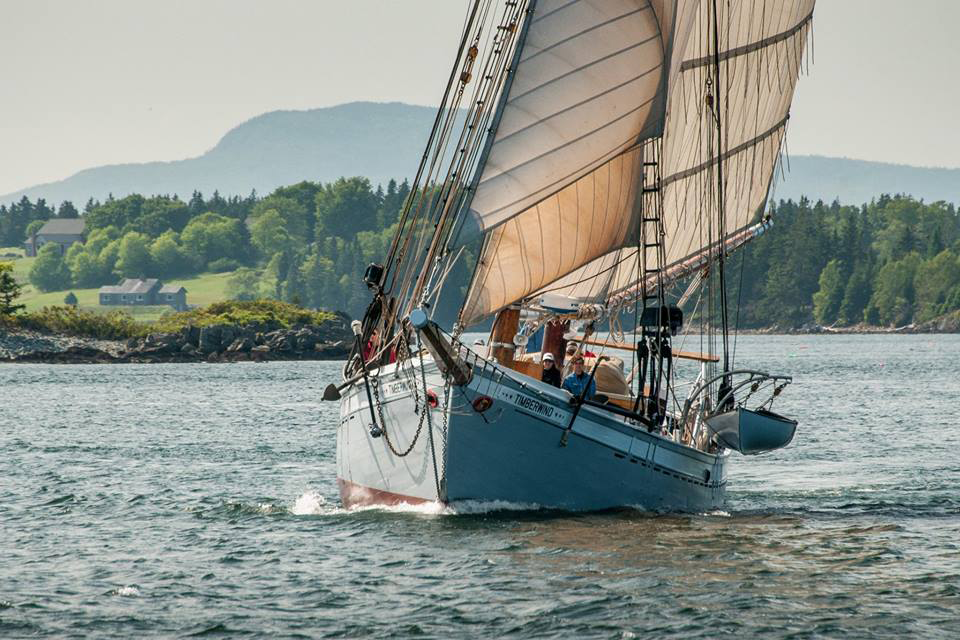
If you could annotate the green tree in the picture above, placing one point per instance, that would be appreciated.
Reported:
(108, 257)
(347, 206)
(99, 238)
(933, 284)
(210, 237)
(49, 272)
(892, 302)
(133, 257)
(269, 235)
(88, 271)
(294, 287)
(305, 193)
(297, 219)
(244, 284)
(85, 268)
(34, 227)
(827, 300)
(67, 210)
(169, 259)
(9, 290)
(70, 299)
(319, 281)
(856, 295)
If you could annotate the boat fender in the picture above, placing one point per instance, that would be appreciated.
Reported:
(432, 399)
(482, 403)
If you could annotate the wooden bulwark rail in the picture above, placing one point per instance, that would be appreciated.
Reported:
(684, 355)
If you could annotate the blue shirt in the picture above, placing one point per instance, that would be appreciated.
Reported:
(575, 384)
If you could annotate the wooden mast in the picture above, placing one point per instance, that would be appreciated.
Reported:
(501, 336)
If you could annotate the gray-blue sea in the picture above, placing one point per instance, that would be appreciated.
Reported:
(200, 500)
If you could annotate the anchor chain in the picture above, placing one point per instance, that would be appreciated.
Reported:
(379, 407)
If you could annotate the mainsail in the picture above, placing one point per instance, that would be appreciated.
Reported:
(560, 198)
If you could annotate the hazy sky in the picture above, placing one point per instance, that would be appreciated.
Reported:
(91, 82)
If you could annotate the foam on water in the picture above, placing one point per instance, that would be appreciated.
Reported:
(128, 591)
(312, 503)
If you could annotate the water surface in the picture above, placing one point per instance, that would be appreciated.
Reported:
(199, 499)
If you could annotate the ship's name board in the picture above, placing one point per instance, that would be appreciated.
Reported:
(397, 387)
(533, 405)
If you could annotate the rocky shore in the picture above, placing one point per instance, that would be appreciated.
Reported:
(949, 323)
(218, 343)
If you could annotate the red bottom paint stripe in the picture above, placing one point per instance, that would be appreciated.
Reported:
(355, 495)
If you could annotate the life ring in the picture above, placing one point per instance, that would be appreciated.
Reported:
(482, 403)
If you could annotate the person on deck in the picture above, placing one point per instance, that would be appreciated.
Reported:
(551, 374)
(576, 381)
(372, 345)
(572, 349)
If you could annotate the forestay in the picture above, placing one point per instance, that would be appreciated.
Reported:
(580, 238)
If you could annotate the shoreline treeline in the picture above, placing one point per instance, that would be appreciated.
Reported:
(890, 262)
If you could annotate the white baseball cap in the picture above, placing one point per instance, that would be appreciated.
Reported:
(548, 356)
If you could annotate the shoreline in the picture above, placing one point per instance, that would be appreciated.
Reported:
(212, 344)
(246, 345)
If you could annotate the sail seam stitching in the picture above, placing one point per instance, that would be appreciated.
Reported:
(546, 119)
(580, 33)
(617, 150)
(592, 63)
(686, 65)
(729, 153)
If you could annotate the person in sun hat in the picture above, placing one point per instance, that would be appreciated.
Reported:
(551, 374)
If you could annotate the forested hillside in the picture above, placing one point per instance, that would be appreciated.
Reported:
(889, 262)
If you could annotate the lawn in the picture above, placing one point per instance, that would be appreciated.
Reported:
(201, 291)
(21, 265)
(8, 250)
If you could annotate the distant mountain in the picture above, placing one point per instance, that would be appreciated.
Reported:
(859, 181)
(376, 140)
(385, 140)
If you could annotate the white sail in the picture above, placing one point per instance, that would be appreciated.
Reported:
(561, 182)
(589, 85)
(761, 52)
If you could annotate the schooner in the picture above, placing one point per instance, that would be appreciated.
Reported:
(589, 158)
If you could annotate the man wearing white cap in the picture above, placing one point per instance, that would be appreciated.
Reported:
(551, 375)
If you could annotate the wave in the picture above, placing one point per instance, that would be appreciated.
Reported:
(313, 503)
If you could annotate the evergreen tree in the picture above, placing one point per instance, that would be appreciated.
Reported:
(196, 204)
(827, 300)
(856, 295)
(294, 285)
(67, 210)
(346, 207)
(892, 302)
(9, 290)
(933, 283)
